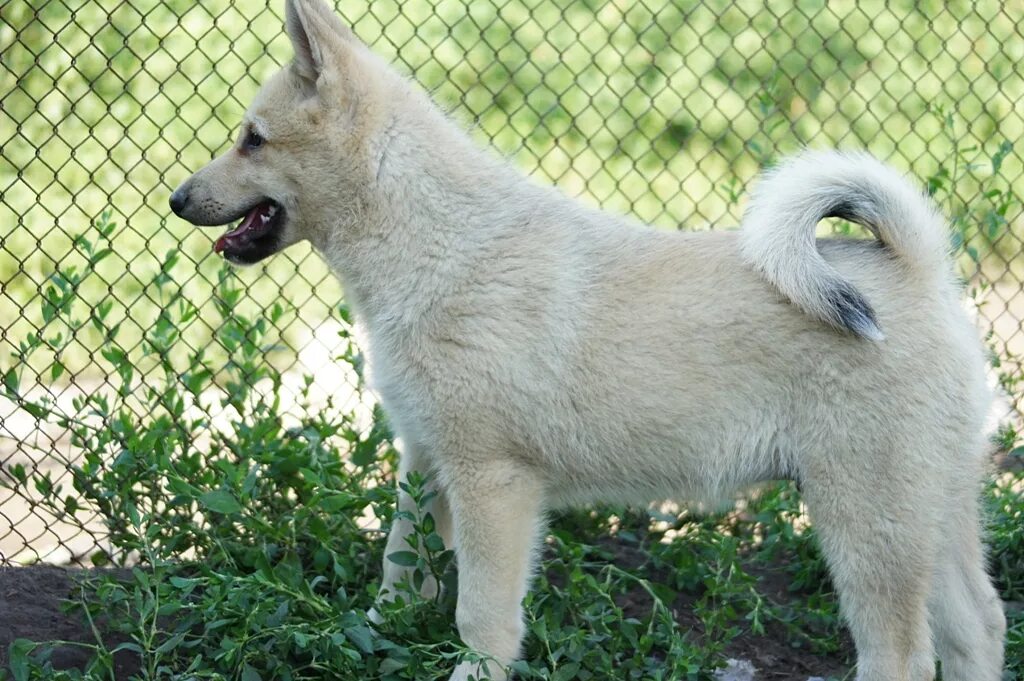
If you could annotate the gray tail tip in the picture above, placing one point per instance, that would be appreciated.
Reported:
(854, 313)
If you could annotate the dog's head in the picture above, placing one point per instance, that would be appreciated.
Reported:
(307, 148)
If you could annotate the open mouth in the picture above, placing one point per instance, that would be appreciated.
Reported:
(256, 236)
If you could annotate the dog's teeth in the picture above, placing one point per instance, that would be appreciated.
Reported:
(265, 218)
(272, 211)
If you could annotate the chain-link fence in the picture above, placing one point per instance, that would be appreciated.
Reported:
(662, 109)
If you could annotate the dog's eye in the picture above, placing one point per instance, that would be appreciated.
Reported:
(253, 140)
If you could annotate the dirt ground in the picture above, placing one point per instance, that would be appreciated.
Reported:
(32, 607)
(772, 655)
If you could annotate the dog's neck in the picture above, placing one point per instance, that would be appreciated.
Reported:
(438, 205)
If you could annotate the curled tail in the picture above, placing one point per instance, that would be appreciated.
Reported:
(778, 232)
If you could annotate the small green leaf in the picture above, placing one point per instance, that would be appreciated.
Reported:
(278, 615)
(362, 637)
(434, 542)
(170, 644)
(337, 502)
(184, 583)
(131, 647)
(566, 672)
(220, 501)
(100, 255)
(249, 673)
(36, 410)
(18, 658)
(404, 558)
(11, 382)
(44, 485)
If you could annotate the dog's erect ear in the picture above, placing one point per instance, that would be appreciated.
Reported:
(317, 34)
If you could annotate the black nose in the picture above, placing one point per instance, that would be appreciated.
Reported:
(179, 199)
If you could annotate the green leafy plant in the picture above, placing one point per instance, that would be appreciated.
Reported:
(973, 194)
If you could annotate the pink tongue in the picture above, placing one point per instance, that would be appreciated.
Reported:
(246, 224)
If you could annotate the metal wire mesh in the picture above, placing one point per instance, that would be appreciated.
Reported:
(662, 109)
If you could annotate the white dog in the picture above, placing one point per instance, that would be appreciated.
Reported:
(534, 353)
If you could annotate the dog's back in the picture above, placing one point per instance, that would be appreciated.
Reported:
(650, 364)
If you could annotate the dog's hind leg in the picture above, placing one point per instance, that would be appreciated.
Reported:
(412, 461)
(966, 613)
(876, 527)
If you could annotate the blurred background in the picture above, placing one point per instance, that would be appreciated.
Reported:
(661, 110)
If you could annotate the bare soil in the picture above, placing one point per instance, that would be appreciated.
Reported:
(33, 606)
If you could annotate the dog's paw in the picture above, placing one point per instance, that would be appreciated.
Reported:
(479, 671)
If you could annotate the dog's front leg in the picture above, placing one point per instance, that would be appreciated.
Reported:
(497, 508)
(413, 460)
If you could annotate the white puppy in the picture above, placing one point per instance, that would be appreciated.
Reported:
(534, 353)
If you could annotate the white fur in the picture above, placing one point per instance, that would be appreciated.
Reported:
(534, 353)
